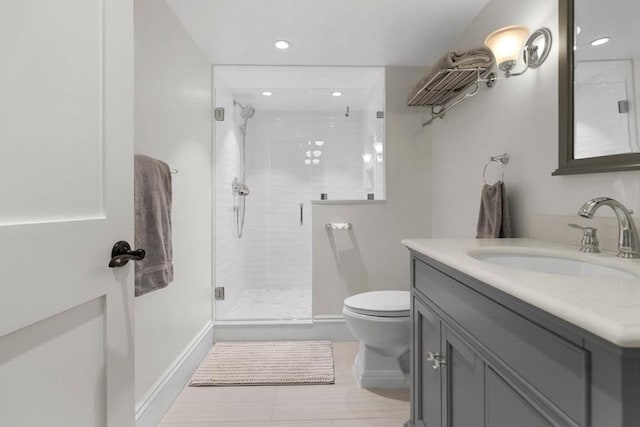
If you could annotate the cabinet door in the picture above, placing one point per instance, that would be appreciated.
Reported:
(426, 387)
(464, 384)
(507, 408)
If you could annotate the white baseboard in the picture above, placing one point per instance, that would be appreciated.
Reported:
(332, 328)
(157, 401)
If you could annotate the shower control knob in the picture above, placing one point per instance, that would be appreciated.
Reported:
(240, 188)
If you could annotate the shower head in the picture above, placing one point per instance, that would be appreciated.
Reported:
(247, 112)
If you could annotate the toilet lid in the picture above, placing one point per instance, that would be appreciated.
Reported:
(380, 303)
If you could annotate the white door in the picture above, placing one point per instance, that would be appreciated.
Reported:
(66, 196)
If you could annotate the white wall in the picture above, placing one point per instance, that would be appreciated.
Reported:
(173, 123)
(518, 116)
(370, 257)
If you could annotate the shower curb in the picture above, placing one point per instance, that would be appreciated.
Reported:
(332, 328)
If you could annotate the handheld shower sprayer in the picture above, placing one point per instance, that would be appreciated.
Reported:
(239, 187)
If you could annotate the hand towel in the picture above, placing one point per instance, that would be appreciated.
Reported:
(152, 203)
(493, 220)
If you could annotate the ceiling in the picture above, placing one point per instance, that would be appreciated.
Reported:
(326, 32)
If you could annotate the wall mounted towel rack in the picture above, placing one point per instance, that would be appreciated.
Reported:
(444, 90)
(501, 160)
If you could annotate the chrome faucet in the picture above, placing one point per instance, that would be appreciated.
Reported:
(628, 239)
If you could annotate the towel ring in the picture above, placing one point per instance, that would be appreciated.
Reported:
(501, 160)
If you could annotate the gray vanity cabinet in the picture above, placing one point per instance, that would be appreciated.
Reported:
(463, 373)
(507, 408)
(463, 391)
(427, 384)
(481, 358)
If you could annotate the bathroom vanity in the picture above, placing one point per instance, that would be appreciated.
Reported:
(518, 332)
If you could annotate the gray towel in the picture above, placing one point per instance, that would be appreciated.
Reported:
(152, 203)
(493, 220)
(457, 59)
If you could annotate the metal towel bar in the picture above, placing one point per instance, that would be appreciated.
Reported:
(449, 85)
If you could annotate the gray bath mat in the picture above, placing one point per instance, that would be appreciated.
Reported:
(266, 363)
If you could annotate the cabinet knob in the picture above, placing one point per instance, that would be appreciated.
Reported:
(437, 360)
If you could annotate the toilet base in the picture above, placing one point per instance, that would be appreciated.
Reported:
(374, 370)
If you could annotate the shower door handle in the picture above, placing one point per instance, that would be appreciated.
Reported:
(301, 213)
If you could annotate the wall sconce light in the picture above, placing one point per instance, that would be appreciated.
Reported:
(507, 43)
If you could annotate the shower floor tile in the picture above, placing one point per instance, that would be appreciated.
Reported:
(270, 304)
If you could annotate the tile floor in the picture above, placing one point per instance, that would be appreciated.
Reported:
(342, 404)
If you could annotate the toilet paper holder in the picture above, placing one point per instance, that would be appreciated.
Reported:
(339, 226)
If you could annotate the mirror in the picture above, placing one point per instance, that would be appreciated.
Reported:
(599, 86)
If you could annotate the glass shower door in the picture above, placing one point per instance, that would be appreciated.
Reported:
(266, 273)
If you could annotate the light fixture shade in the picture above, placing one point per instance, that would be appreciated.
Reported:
(506, 45)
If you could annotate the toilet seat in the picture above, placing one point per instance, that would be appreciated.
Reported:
(380, 303)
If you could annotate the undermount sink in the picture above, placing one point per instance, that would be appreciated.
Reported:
(551, 264)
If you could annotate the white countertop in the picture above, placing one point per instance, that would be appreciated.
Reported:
(606, 307)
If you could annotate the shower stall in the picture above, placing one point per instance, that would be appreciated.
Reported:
(285, 139)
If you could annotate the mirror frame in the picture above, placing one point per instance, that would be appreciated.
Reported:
(567, 165)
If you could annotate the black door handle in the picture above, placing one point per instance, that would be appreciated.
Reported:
(121, 254)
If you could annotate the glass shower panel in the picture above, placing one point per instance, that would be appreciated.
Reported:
(266, 273)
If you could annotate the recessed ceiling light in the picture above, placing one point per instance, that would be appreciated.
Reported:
(282, 44)
(307, 161)
(267, 93)
(318, 143)
(336, 93)
(316, 161)
(600, 41)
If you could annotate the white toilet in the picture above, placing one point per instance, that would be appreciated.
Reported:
(380, 321)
